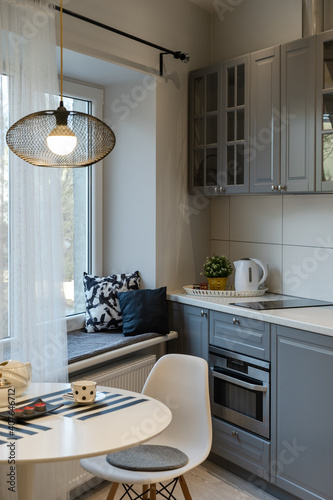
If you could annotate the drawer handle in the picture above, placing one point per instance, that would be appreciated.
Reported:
(235, 434)
(235, 321)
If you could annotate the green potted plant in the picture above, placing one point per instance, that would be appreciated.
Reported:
(217, 269)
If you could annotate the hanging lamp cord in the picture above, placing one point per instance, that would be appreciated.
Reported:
(61, 55)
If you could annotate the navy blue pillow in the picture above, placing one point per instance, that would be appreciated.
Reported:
(144, 311)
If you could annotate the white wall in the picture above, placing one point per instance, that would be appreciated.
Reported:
(249, 25)
(181, 243)
(129, 181)
(291, 233)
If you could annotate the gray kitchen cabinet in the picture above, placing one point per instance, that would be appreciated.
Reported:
(191, 323)
(241, 448)
(233, 176)
(196, 320)
(204, 130)
(302, 409)
(324, 110)
(240, 334)
(264, 139)
(297, 116)
(219, 128)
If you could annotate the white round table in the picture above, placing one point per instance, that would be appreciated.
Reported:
(122, 420)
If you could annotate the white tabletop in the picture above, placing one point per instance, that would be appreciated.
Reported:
(123, 419)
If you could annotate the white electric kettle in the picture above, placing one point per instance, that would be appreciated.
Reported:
(247, 274)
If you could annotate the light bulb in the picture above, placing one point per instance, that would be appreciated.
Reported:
(62, 140)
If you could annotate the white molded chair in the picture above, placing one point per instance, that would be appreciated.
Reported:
(181, 382)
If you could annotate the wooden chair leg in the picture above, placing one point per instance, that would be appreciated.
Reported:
(113, 491)
(153, 492)
(184, 488)
(145, 491)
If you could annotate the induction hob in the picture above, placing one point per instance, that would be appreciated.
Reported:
(285, 303)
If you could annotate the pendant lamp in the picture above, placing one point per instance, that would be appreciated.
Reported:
(60, 138)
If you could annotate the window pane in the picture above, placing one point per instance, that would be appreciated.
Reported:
(211, 167)
(75, 195)
(240, 164)
(328, 65)
(211, 129)
(240, 84)
(327, 157)
(199, 132)
(230, 165)
(199, 168)
(240, 124)
(231, 88)
(327, 112)
(211, 92)
(199, 95)
(4, 205)
(230, 126)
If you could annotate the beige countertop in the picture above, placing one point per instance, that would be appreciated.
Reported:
(311, 319)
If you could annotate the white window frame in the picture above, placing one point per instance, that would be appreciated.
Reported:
(96, 96)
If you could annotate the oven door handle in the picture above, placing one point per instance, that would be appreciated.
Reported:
(241, 383)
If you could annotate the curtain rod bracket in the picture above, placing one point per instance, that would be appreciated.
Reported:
(182, 56)
(177, 55)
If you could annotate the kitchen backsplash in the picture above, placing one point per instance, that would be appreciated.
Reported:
(292, 234)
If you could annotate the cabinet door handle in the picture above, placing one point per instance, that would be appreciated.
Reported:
(203, 314)
(282, 188)
(235, 434)
(222, 189)
(217, 190)
(274, 188)
(235, 321)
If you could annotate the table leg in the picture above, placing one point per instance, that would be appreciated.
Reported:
(25, 481)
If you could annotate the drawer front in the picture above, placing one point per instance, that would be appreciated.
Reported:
(237, 333)
(241, 448)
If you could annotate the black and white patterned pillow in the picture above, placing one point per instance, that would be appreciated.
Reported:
(102, 305)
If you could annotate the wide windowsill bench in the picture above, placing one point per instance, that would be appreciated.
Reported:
(87, 350)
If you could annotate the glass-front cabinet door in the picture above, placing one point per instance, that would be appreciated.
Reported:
(324, 163)
(205, 130)
(234, 174)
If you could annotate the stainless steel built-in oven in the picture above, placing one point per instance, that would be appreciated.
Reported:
(240, 390)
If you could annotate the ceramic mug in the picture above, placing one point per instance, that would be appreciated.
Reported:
(84, 391)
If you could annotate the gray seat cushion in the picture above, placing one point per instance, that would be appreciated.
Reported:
(146, 457)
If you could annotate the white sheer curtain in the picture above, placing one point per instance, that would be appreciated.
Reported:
(36, 318)
(32, 306)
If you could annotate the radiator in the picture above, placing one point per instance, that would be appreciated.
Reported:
(129, 374)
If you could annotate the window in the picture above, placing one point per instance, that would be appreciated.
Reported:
(76, 205)
(4, 155)
(81, 205)
(82, 210)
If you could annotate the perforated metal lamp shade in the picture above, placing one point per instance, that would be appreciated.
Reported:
(27, 138)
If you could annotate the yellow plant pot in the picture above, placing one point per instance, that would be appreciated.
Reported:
(217, 283)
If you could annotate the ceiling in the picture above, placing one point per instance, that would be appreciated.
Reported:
(210, 5)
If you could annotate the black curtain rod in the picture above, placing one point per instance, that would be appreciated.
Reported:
(176, 54)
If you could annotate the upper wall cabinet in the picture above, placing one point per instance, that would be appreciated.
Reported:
(219, 127)
(297, 116)
(204, 130)
(234, 176)
(263, 123)
(264, 140)
(324, 132)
